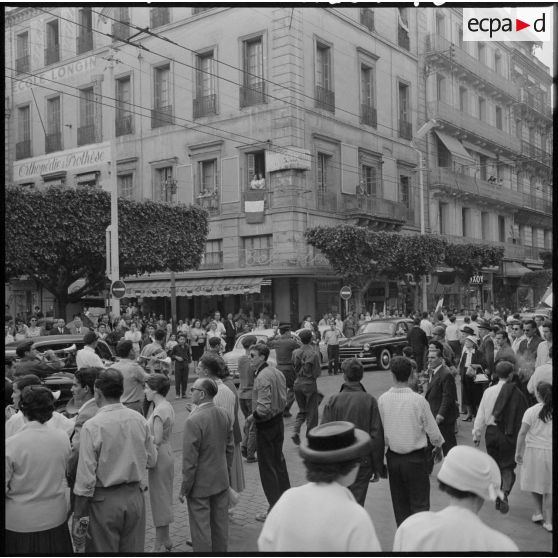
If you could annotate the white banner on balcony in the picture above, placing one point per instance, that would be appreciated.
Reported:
(288, 158)
(254, 205)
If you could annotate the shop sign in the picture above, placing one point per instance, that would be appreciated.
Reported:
(85, 65)
(287, 158)
(70, 160)
(477, 279)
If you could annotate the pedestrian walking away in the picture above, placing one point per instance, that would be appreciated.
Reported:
(307, 518)
(353, 404)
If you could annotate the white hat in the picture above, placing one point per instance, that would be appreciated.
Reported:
(471, 470)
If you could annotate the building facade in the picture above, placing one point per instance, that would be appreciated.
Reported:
(288, 119)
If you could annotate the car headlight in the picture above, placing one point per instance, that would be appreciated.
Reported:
(366, 347)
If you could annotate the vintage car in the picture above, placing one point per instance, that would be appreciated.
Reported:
(376, 341)
(65, 347)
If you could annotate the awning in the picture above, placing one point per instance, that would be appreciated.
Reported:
(76, 285)
(515, 269)
(196, 287)
(455, 147)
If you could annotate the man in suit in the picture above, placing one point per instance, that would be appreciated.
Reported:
(206, 463)
(230, 333)
(77, 327)
(442, 395)
(486, 346)
(527, 352)
(419, 342)
(60, 328)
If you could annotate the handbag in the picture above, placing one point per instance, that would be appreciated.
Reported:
(481, 378)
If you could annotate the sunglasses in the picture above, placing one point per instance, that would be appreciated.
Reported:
(192, 389)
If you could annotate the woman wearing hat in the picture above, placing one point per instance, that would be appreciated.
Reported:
(469, 477)
(307, 518)
(469, 363)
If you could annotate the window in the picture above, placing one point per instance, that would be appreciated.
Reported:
(159, 16)
(207, 180)
(121, 27)
(325, 97)
(367, 18)
(368, 113)
(485, 225)
(405, 127)
(255, 167)
(499, 118)
(165, 185)
(440, 87)
(498, 62)
(501, 228)
(444, 155)
(252, 91)
(483, 164)
(481, 52)
(123, 122)
(482, 108)
(368, 181)
(440, 25)
(466, 221)
(22, 53)
(86, 129)
(405, 191)
(161, 115)
(53, 137)
(213, 256)
(52, 49)
(23, 145)
(443, 217)
(85, 31)
(206, 100)
(126, 185)
(519, 129)
(322, 175)
(403, 28)
(463, 99)
(257, 250)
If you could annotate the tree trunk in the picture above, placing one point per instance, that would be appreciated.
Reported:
(61, 303)
(359, 295)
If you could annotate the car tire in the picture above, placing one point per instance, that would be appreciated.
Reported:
(384, 359)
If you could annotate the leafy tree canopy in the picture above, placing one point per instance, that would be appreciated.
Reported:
(57, 235)
(538, 280)
(468, 259)
(546, 257)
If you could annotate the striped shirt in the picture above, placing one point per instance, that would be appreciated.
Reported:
(407, 420)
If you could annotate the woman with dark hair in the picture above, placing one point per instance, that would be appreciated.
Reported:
(197, 341)
(36, 505)
(161, 422)
(534, 453)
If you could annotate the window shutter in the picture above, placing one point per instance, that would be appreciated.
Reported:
(230, 186)
(349, 164)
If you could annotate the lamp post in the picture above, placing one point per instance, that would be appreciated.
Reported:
(168, 190)
(421, 132)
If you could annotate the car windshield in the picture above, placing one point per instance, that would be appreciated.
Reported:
(376, 327)
(263, 338)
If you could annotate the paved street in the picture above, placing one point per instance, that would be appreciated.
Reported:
(244, 529)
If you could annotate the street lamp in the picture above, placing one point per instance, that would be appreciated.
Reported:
(421, 132)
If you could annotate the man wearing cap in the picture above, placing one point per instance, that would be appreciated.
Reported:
(87, 357)
(469, 477)
(284, 346)
(354, 404)
(322, 515)
(408, 421)
(486, 344)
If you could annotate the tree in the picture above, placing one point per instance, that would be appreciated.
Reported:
(57, 235)
(539, 281)
(546, 257)
(468, 259)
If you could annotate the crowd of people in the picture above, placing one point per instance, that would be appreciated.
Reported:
(494, 371)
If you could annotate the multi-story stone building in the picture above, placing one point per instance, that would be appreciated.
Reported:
(276, 122)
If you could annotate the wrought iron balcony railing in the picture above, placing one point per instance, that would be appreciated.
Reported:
(369, 115)
(405, 130)
(124, 125)
(22, 64)
(205, 105)
(84, 41)
(250, 257)
(162, 116)
(52, 54)
(86, 134)
(324, 98)
(23, 149)
(212, 260)
(53, 142)
(253, 94)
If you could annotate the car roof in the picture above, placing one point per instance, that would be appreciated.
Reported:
(388, 321)
(42, 340)
(266, 332)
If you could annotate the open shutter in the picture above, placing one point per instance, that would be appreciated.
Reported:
(349, 168)
(184, 184)
(230, 190)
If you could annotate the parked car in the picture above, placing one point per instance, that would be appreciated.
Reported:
(65, 347)
(376, 342)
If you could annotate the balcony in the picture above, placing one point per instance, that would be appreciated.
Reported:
(251, 257)
(325, 99)
(124, 125)
(22, 64)
(528, 100)
(212, 260)
(120, 30)
(52, 54)
(466, 186)
(253, 94)
(538, 204)
(438, 48)
(478, 131)
(84, 41)
(536, 153)
(53, 142)
(267, 198)
(161, 116)
(511, 251)
(377, 208)
(405, 130)
(159, 17)
(23, 149)
(369, 115)
(86, 134)
(210, 202)
(205, 105)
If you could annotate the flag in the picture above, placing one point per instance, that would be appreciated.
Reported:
(439, 305)
(254, 203)
(547, 297)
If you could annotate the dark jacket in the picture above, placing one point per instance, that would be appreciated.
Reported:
(487, 349)
(284, 347)
(417, 339)
(230, 329)
(442, 395)
(509, 408)
(184, 352)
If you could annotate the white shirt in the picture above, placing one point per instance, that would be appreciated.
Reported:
(543, 352)
(516, 342)
(539, 435)
(307, 519)
(541, 374)
(88, 358)
(426, 326)
(453, 529)
(452, 332)
(225, 398)
(484, 416)
(474, 326)
(16, 423)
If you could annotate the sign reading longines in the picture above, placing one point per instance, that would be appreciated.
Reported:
(56, 74)
(70, 160)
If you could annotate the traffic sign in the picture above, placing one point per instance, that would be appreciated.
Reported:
(118, 289)
(345, 293)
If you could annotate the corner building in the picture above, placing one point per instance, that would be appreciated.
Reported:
(276, 122)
